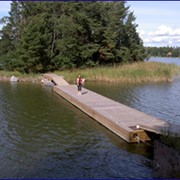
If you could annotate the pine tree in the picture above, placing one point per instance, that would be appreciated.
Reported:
(9, 36)
(44, 36)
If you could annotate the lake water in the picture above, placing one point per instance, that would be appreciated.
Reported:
(44, 136)
(167, 60)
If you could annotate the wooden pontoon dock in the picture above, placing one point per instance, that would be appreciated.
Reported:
(126, 122)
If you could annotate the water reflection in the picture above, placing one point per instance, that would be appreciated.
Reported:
(166, 162)
(44, 136)
(160, 100)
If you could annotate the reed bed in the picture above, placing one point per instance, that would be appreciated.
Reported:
(127, 73)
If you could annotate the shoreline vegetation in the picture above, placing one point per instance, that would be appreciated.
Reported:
(138, 72)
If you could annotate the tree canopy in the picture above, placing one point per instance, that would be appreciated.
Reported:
(45, 36)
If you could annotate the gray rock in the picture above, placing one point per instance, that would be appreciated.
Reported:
(14, 79)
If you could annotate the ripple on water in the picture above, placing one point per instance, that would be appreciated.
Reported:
(43, 136)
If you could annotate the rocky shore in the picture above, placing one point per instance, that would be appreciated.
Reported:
(23, 79)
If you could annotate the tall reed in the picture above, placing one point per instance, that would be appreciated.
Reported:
(127, 73)
(132, 73)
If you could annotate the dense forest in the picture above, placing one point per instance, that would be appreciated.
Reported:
(46, 36)
(163, 51)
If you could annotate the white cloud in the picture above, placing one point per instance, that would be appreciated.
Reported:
(164, 30)
(176, 32)
(141, 32)
(163, 34)
(156, 39)
(158, 22)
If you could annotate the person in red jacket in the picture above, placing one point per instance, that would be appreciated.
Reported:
(79, 82)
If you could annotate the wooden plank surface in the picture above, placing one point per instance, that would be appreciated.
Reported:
(117, 117)
(57, 80)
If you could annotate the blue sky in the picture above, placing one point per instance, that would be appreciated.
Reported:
(158, 21)
(4, 9)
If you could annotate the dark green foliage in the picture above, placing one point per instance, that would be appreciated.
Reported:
(44, 36)
(163, 51)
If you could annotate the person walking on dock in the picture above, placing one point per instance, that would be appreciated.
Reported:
(79, 82)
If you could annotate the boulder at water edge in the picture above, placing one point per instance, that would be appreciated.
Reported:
(14, 79)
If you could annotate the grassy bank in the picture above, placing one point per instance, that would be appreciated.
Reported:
(132, 73)
(5, 75)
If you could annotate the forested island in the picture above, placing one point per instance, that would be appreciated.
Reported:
(97, 39)
(47, 36)
(165, 51)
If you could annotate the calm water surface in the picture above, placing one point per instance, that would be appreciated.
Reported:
(167, 60)
(44, 136)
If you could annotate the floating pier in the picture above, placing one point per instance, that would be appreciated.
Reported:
(126, 122)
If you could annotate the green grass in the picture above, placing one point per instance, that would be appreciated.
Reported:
(16, 73)
(127, 73)
(23, 77)
(132, 73)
